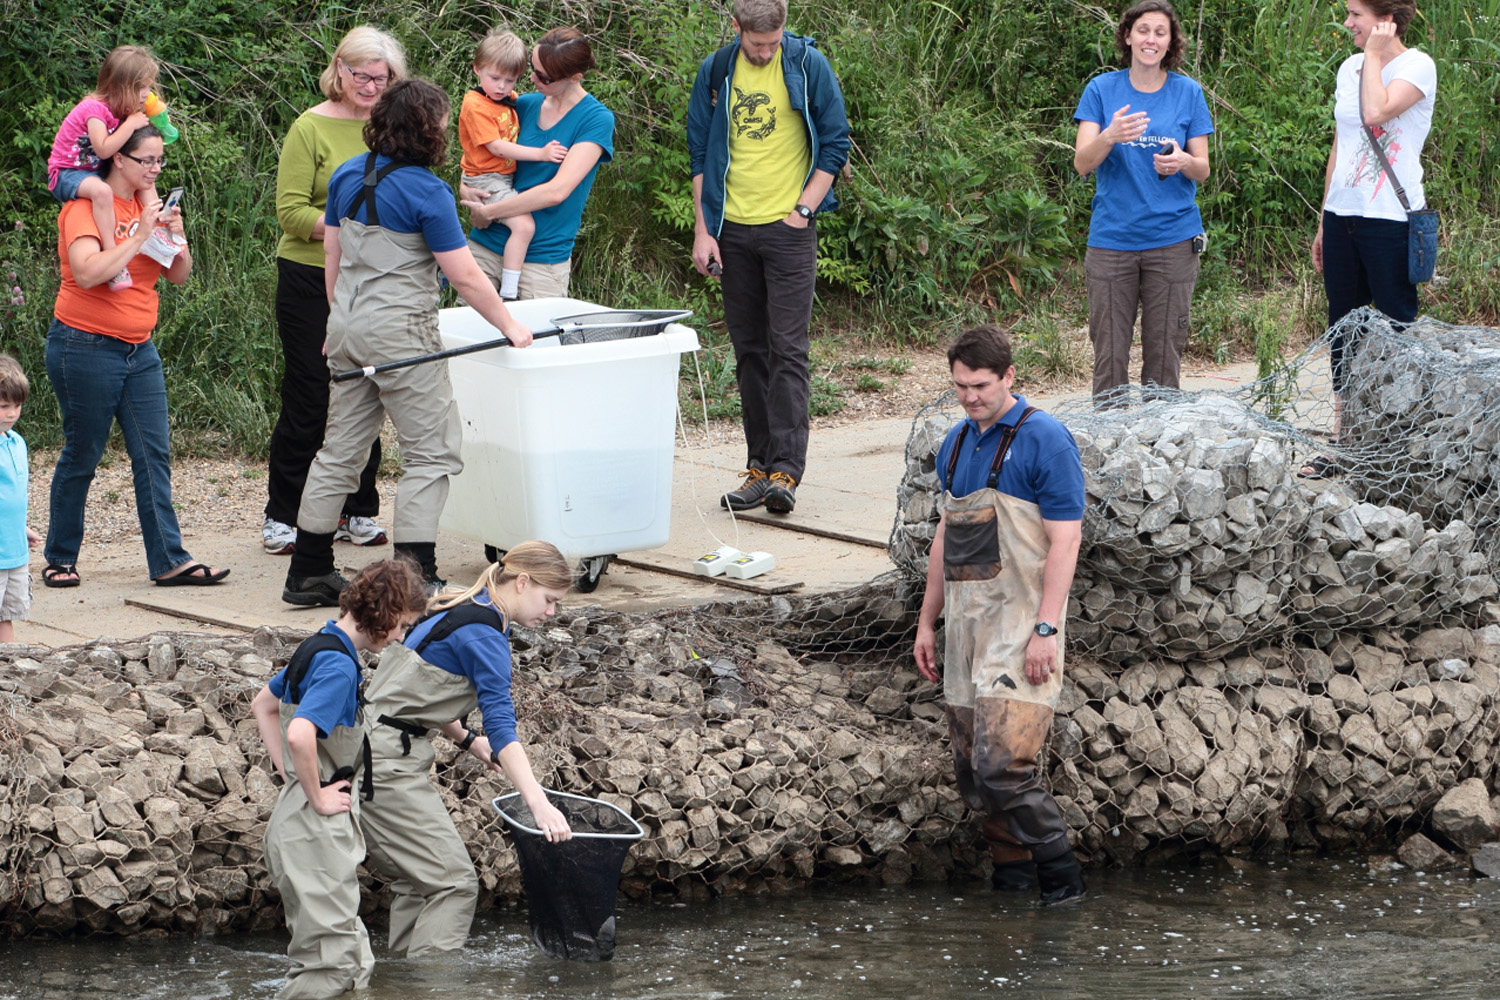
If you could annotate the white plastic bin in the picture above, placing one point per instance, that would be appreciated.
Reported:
(569, 444)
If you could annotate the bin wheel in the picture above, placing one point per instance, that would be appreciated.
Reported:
(493, 554)
(589, 572)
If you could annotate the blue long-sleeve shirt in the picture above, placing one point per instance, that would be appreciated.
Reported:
(481, 654)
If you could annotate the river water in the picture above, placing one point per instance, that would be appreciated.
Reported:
(1313, 928)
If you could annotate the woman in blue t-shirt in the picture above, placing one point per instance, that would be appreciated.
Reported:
(554, 193)
(1145, 130)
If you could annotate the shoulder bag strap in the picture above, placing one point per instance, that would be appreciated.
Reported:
(1375, 145)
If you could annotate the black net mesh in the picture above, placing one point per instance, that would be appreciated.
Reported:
(571, 886)
(598, 327)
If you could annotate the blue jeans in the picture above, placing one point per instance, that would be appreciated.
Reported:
(100, 379)
(1364, 262)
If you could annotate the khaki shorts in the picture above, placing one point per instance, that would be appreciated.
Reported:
(496, 187)
(538, 281)
(15, 594)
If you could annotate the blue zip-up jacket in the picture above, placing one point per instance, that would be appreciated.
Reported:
(814, 93)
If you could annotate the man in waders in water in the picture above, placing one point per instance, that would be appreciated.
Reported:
(1001, 563)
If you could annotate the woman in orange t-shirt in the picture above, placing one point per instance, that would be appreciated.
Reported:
(104, 367)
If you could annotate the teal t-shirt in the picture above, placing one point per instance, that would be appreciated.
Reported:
(557, 226)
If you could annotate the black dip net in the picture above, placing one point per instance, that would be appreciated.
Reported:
(571, 886)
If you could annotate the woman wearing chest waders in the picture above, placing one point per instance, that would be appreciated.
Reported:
(455, 659)
(391, 223)
(309, 719)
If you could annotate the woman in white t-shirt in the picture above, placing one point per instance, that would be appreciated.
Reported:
(1360, 248)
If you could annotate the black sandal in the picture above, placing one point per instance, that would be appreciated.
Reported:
(195, 575)
(56, 575)
(1321, 467)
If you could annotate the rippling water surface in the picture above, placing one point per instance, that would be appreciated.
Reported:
(1310, 929)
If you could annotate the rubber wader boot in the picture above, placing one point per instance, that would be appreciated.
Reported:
(1060, 879)
(1019, 876)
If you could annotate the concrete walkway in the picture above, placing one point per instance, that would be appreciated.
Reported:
(835, 539)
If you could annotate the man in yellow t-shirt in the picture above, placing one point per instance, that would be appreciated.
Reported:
(767, 136)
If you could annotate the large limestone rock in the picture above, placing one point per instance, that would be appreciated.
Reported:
(1465, 816)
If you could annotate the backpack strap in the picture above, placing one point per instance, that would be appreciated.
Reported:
(719, 74)
(301, 661)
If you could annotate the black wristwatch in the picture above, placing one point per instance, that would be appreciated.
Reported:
(1045, 629)
(805, 212)
(469, 737)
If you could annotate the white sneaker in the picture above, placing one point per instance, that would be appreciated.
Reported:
(359, 530)
(279, 539)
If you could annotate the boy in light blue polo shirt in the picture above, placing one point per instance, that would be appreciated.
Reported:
(16, 538)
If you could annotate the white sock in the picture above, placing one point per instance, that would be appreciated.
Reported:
(510, 283)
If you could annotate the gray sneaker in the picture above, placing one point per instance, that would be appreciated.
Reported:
(748, 496)
(781, 493)
(280, 539)
(357, 529)
(314, 591)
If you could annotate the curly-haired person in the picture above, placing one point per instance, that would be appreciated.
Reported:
(309, 719)
(390, 225)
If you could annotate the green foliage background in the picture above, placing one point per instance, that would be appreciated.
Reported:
(962, 202)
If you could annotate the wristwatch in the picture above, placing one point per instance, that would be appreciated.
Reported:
(468, 740)
(804, 211)
(1045, 629)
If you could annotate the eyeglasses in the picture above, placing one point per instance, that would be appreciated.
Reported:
(147, 161)
(365, 79)
(541, 77)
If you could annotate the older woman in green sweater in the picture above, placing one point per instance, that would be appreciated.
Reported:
(320, 141)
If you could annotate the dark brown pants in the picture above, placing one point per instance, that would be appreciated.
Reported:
(995, 746)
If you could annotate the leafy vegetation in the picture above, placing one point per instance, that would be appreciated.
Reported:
(961, 204)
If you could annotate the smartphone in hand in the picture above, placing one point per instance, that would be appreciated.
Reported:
(1165, 149)
(170, 202)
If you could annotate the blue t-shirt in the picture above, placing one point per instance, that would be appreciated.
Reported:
(1042, 466)
(557, 226)
(481, 654)
(15, 471)
(1133, 208)
(330, 688)
(410, 199)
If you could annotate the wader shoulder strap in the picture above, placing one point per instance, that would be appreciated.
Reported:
(457, 617)
(718, 74)
(454, 618)
(367, 192)
(301, 661)
(1007, 436)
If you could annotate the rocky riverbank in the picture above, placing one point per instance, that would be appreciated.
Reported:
(136, 792)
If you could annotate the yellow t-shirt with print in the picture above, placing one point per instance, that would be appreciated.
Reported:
(769, 157)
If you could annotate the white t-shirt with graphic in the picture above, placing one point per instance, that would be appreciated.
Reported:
(1359, 185)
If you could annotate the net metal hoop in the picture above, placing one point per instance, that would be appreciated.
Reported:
(501, 802)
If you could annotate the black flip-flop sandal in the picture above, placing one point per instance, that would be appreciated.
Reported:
(196, 575)
(56, 575)
(1321, 467)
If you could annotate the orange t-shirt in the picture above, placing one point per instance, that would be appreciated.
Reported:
(481, 121)
(129, 314)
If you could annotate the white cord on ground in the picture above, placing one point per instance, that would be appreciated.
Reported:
(714, 462)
